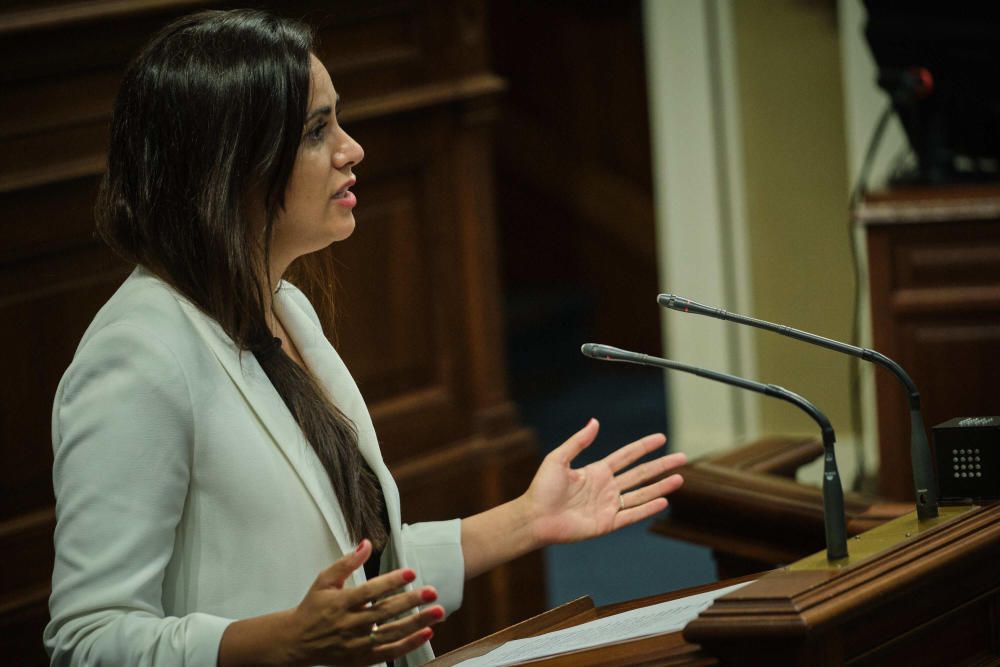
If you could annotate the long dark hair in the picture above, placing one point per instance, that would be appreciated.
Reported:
(211, 111)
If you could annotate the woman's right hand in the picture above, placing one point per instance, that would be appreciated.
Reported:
(334, 624)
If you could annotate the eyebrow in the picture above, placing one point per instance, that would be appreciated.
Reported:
(322, 111)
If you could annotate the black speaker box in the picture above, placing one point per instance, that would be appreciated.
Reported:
(967, 450)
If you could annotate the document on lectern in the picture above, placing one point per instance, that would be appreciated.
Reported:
(655, 619)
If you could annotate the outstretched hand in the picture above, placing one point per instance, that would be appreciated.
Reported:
(569, 504)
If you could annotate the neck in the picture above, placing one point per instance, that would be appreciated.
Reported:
(276, 270)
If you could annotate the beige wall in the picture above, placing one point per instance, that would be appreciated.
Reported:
(795, 175)
(748, 106)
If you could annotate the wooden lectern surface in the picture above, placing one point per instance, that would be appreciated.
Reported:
(930, 596)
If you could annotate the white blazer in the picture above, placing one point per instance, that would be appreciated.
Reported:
(187, 496)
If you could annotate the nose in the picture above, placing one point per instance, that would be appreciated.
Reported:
(349, 152)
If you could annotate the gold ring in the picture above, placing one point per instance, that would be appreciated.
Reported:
(621, 502)
(371, 635)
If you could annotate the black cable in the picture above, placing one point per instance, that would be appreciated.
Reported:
(858, 192)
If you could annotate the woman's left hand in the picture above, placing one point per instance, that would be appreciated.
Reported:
(568, 504)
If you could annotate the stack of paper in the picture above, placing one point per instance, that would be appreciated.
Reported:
(653, 620)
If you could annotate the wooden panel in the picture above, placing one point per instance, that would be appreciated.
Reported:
(951, 355)
(575, 181)
(934, 258)
(27, 547)
(478, 474)
(52, 297)
(929, 597)
(21, 626)
(402, 340)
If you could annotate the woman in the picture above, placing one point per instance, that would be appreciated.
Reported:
(221, 498)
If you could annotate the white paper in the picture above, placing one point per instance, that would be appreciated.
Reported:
(652, 620)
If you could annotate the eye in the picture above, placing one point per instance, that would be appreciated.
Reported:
(316, 134)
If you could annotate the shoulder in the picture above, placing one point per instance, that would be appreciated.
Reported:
(144, 327)
(136, 360)
(142, 303)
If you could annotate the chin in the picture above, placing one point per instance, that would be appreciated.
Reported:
(343, 229)
(336, 228)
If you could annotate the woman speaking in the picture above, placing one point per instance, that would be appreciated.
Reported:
(221, 497)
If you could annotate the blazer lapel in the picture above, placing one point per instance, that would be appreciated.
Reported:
(333, 376)
(265, 402)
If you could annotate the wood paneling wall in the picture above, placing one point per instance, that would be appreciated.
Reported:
(934, 262)
(418, 301)
(574, 165)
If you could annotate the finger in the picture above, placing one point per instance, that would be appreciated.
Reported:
(402, 628)
(335, 575)
(387, 652)
(566, 452)
(363, 649)
(634, 514)
(657, 490)
(650, 470)
(394, 605)
(624, 456)
(378, 587)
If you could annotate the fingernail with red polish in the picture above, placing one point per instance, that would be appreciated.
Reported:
(426, 633)
(437, 613)
(361, 545)
(409, 575)
(428, 595)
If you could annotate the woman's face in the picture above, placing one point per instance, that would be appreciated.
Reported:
(318, 204)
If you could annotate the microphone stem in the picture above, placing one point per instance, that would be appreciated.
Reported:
(924, 482)
(834, 521)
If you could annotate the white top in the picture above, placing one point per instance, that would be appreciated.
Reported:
(186, 494)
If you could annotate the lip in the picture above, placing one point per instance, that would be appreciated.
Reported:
(348, 200)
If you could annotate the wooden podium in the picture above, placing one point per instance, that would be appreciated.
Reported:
(908, 594)
(934, 279)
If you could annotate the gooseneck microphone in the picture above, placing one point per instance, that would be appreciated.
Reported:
(833, 494)
(925, 486)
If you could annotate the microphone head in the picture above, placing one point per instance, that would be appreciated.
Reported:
(603, 352)
(667, 300)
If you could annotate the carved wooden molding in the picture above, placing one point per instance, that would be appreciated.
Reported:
(424, 97)
(419, 98)
(930, 205)
(808, 615)
(58, 16)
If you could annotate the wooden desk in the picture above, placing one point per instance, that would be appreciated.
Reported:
(909, 593)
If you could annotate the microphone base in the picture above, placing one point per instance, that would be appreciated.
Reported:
(925, 512)
(881, 538)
